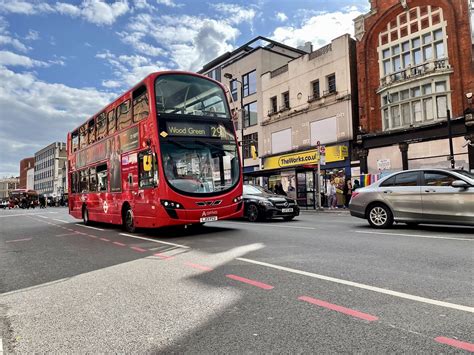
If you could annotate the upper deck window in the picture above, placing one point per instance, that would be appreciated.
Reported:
(140, 104)
(180, 94)
(101, 126)
(124, 117)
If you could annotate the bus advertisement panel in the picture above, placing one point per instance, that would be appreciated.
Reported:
(164, 153)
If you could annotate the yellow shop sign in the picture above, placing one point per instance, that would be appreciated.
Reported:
(292, 159)
(336, 153)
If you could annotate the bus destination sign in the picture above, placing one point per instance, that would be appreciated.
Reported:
(196, 129)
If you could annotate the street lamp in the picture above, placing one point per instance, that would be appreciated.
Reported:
(230, 77)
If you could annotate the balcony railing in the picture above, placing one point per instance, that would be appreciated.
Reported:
(314, 97)
(433, 66)
(284, 107)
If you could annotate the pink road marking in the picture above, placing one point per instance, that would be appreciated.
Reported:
(250, 282)
(119, 244)
(456, 343)
(334, 307)
(199, 267)
(105, 239)
(138, 249)
(163, 256)
(92, 236)
(17, 240)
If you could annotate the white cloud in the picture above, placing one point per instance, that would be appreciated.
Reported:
(99, 12)
(169, 3)
(111, 84)
(45, 113)
(12, 59)
(281, 16)
(7, 40)
(189, 41)
(32, 35)
(135, 40)
(234, 13)
(320, 29)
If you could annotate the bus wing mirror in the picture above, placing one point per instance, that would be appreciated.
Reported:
(147, 162)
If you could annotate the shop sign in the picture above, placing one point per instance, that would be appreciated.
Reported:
(384, 164)
(336, 153)
(292, 159)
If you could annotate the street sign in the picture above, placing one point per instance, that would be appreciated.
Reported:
(322, 150)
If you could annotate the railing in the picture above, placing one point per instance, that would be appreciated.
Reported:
(330, 92)
(314, 97)
(319, 52)
(284, 107)
(279, 71)
(416, 71)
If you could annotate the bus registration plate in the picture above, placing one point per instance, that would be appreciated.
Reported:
(208, 219)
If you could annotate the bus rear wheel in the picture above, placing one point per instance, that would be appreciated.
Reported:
(128, 220)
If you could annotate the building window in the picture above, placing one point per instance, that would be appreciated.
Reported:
(249, 83)
(285, 97)
(250, 114)
(249, 141)
(215, 74)
(331, 83)
(273, 105)
(315, 89)
(233, 90)
(424, 103)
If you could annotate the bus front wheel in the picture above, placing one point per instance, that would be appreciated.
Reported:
(128, 220)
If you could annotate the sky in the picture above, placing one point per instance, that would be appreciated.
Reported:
(61, 61)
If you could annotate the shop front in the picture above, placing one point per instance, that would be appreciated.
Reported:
(296, 173)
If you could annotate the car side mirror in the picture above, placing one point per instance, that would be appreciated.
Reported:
(460, 184)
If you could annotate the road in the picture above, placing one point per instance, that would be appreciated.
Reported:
(325, 282)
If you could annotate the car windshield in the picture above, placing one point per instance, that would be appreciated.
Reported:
(255, 190)
(199, 167)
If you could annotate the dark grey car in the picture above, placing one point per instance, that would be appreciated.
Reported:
(434, 196)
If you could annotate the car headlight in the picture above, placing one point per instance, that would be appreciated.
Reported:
(265, 203)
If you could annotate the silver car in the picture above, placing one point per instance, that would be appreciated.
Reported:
(434, 196)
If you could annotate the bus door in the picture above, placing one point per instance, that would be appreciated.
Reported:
(147, 183)
(129, 177)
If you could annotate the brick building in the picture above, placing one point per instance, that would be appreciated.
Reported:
(415, 62)
(25, 165)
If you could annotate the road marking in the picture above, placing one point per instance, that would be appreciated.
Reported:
(199, 267)
(43, 216)
(335, 307)
(59, 220)
(250, 282)
(1, 346)
(138, 249)
(90, 236)
(155, 241)
(268, 225)
(414, 235)
(63, 235)
(456, 343)
(119, 244)
(365, 287)
(163, 256)
(104, 239)
(17, 240)
(81, 225)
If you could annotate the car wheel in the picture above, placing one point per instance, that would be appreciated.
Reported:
(129, 221)
(289, 218)
(380, 216)
(253, 214)
(85, 217)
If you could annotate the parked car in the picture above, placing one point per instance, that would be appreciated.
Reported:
(261, 204)
(4, 204)
(433, 196)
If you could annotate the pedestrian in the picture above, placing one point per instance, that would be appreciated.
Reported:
(331, 194)
(356, 185)
(347, 191)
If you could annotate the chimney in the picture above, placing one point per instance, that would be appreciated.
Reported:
(307, 47)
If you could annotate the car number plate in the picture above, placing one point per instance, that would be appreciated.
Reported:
(287, 210)
(208, 219)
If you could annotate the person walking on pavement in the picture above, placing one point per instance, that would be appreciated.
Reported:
(331, 194)
(347, 191)
(356, 185)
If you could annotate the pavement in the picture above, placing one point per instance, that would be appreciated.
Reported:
(324, 282)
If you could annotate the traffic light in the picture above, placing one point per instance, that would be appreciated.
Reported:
(253, 152)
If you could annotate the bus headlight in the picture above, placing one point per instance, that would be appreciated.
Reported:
(237, 199)
(171, 204)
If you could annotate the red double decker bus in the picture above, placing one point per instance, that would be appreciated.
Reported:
(164, 153)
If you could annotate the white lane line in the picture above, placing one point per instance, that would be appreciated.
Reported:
(414, 235)
(267, 225)
(1, 346)
(363, 286)
(18, 240)
(43, 216)
(156, 241)
(81, 225)
(60, 220)
(24, 214)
